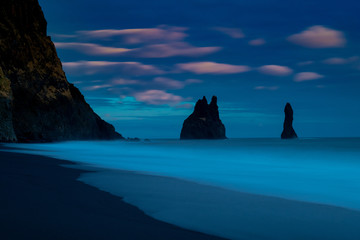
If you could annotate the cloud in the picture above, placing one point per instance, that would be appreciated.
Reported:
(169, 83)
(77, 82)
(67, 36)
(158, 97)
(173, 49)
(318, 37)
(93, 67)
(335, 61)
(163, 50)
(139, 35)
(339, 61)
(130, 86)
(212, 68)
(305, 63)
(307, 76)
(122, 81)
(231, 32)
(257, 42)
(275, 70)
(96, 87)
(91, 48)
(191, 80)
(270, 88)
(160, 42)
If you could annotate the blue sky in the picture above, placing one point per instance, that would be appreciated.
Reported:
(143, 64)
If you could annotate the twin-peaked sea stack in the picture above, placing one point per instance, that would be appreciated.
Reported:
(204, 122)
(288, 132)
(37, 103)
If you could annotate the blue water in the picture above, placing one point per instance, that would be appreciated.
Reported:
(237, 188)
(325, 171)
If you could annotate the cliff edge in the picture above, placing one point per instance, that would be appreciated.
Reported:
(37, 103)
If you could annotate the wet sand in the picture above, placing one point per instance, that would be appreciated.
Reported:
(42, 200)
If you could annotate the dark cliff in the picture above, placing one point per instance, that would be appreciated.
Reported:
(204, 122)
(37, 103)
(288, 131)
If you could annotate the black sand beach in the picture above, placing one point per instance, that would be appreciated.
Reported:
(42, 200)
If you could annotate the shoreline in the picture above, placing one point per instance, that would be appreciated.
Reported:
(175, 205)
(222, 212)
(40, 199)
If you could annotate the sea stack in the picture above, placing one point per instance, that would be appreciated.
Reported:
(37, 103)
(288, 132)
(204, 122)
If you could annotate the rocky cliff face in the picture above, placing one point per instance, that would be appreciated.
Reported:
(204, 122)
(37, 103)
(288, 131)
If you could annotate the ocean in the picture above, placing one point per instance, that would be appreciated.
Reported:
(187, 182)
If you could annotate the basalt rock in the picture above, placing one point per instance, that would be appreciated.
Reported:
(288, 131)
(204, 122)
(37, 103)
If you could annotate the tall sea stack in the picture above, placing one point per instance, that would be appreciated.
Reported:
(288, 131)
(37, 103)
(204, 122)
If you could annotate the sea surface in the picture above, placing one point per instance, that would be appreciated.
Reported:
(317, 171)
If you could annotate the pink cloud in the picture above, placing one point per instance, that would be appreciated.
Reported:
(318, 37)
(93, 67)
(231, 32)
(339, 61)
(257, 42)
(91, 49)
(96, 87)
(275, 70)
(157, 97)
(163, 50)
(169, 83)
(335, 61)
(270, 88)
(122, 81)
(173, 49)
(212, 68)
(307, 76)
(140, 35)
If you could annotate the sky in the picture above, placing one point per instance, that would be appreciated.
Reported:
(142, 65)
